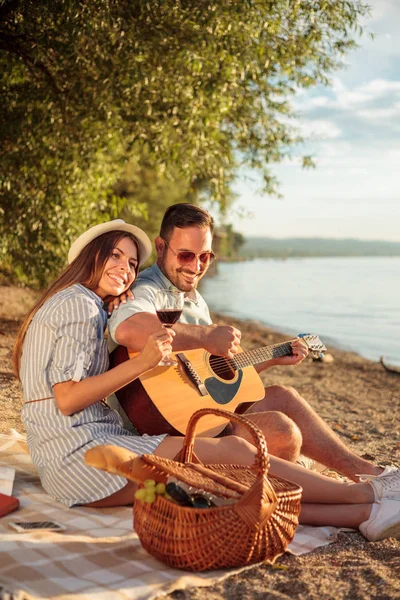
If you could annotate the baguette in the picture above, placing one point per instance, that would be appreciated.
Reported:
(120, 461)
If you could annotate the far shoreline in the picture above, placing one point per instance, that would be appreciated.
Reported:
(16, 301)
(287, 334)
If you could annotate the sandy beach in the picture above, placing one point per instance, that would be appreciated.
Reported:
(361, 402)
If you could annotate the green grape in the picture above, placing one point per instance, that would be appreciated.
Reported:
(149, 484)
(160, 488)
(150, 497)
(141, 494)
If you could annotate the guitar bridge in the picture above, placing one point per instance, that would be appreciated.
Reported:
(192, 374)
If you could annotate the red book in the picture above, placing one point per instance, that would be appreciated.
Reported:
(8, 504)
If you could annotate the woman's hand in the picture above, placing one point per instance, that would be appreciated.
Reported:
(114, 304)
(158, 346)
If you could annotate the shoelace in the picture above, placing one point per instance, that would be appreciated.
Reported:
(364, 478)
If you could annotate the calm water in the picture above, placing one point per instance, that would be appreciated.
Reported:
(352, 303)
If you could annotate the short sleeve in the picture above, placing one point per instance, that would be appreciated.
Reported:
(144, 301)
(207, 316)
(76, 339)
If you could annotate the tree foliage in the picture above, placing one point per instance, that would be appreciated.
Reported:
(197, 87)
(229, 243)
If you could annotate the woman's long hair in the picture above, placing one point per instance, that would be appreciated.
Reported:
(86, 269)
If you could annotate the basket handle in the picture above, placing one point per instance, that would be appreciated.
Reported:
(261, 462)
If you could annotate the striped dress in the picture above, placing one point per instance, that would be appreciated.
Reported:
(65, 341)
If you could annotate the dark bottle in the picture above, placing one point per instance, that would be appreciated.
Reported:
(178, 494)
(199, 501)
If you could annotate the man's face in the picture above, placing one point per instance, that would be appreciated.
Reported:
(185, 277)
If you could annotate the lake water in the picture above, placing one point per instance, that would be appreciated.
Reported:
(352, 303)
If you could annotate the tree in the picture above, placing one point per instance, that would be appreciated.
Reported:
(147, 192)
(230, 242)
(197, 86)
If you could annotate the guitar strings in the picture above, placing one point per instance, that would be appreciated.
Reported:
(265, 353)
(222, 365)
(237, 358)
(260, 352)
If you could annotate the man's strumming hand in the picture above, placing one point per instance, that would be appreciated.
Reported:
(222, 340)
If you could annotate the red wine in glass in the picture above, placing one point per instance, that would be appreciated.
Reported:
(169, 306)
(169, 316)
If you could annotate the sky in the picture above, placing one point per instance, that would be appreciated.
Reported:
(355, 140)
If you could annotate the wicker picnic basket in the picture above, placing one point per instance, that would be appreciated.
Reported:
(257, 527)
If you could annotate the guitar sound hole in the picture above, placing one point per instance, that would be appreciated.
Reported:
(222, 367)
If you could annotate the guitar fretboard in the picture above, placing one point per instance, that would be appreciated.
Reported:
(254, 357)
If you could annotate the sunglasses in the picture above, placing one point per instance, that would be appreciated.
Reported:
(186, 257)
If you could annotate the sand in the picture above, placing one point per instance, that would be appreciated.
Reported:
(361, 402)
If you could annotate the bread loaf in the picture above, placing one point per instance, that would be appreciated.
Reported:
(121, 461)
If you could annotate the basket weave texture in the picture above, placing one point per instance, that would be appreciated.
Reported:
(257, 528)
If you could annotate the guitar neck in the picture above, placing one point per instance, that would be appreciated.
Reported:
(255, 357)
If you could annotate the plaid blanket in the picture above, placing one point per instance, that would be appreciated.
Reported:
(98, 556)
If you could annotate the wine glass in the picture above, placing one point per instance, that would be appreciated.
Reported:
(169, 306)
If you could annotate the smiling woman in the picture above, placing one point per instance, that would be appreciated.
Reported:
(120, 269)
(61, 357)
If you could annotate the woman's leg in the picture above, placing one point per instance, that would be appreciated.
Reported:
(317, 488)
(229, 450)
(335, 515)
(209, 450)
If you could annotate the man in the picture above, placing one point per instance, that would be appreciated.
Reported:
(184, 253)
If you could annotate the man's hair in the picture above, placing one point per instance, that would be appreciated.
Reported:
(185, 215)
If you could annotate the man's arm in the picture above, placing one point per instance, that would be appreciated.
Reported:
(217, 339)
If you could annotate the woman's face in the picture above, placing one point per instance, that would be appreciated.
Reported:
(119, 271)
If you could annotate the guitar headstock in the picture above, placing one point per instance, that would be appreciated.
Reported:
(313, 343)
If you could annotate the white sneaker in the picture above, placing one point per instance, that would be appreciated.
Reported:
(386, 484)
(387, 470)
(383, 522)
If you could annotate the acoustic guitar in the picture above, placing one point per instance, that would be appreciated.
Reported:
(164, 399)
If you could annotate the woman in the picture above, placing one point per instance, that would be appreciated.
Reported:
(61, 357)
(63, 360)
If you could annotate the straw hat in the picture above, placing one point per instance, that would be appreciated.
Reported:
(83, 240)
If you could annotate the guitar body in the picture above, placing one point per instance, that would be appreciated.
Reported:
(163, 400)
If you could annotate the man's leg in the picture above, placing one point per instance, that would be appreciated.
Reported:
(319, 442)
(282, 435)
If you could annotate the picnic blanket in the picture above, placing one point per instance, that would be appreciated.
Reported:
(99, 556)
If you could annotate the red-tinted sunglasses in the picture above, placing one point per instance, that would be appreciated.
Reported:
(185, 257)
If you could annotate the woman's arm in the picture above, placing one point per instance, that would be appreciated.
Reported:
(72, 396)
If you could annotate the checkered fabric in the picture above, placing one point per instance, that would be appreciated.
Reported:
(98, 556)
